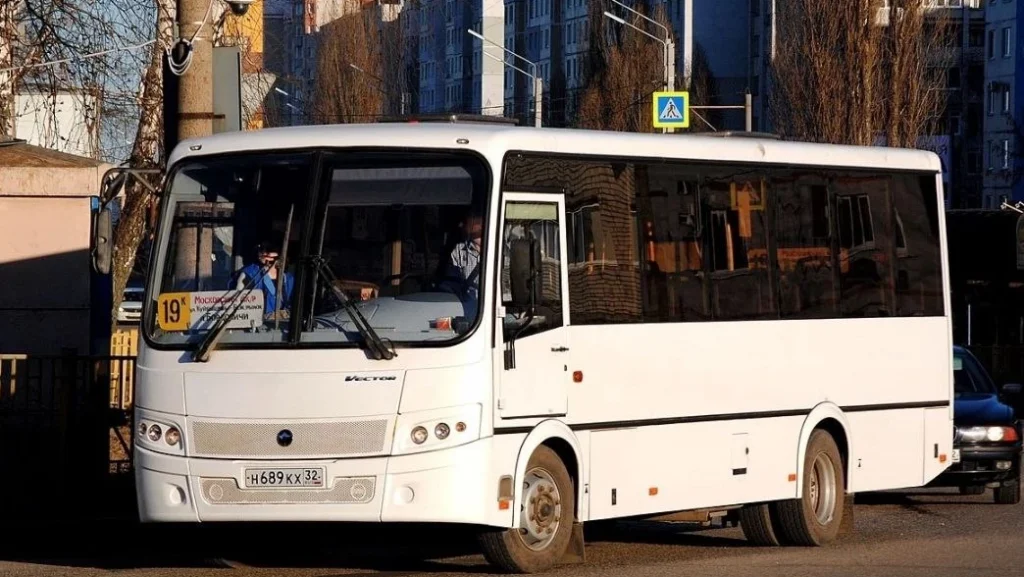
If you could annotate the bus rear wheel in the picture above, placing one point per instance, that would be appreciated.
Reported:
(547, 512)
(758, 526)
(815, 518)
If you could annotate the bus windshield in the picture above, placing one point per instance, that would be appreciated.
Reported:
(399, 237)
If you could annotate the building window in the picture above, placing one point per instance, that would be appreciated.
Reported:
(1006, 154)
(973, 162)
(954, 124)
(976, 38)
(991, 44)
(953, 80)
(1006, 101)
(991, 101)
(1006, 42)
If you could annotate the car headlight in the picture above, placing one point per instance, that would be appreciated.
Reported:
(437, 429)
(989, 434)
(158, 434)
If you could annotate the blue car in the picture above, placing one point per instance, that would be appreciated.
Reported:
(987, 434)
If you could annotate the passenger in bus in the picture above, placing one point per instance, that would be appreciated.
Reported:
(267, 254)
(464, 260)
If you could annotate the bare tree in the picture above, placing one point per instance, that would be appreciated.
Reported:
(914, 66)
(625, 68)
(855, 72)
(132, 227)
(349, 84)
(10, 41)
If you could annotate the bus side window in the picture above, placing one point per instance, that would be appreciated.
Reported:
(545, 231)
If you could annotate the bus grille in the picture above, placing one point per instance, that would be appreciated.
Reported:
(256, 440)
(346, 490)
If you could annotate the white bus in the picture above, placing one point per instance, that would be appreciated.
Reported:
(529, 329)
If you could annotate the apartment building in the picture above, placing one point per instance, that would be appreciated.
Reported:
(999, 159)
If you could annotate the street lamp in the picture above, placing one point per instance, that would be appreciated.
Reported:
(538, 88)
(668, 47)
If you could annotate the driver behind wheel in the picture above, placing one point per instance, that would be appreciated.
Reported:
(464, 260)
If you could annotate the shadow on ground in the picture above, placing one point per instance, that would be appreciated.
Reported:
(916, 499)
(399, 549)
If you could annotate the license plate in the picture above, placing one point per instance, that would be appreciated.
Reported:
(956, 455)
(304, 477)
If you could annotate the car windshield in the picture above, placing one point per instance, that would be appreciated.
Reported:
(395, 239)
(969, 376)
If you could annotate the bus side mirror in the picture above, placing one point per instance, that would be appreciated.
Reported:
(524, 272)
(102, 242)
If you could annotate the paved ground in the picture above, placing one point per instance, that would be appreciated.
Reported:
(927, 534)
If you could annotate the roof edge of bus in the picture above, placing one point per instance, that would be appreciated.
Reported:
(562, 140)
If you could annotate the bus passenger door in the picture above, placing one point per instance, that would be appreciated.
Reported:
(533, 310)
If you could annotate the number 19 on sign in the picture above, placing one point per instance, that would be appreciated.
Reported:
(173, 311)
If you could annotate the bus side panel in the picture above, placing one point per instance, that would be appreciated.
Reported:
(938, 442)
(888, 449)
(655, 469)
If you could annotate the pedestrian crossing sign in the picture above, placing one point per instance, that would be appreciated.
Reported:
(671, 110)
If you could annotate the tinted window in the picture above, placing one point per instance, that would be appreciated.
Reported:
(803, 240)
(602, 248)
(918, 256)
(676, 241)
(736, 239)
(866, 244)
(675, 280)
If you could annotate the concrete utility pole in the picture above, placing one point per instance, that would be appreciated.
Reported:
(195, 94)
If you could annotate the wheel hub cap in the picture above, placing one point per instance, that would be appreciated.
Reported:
(541, 510)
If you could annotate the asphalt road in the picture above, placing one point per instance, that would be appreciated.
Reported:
(923, 533)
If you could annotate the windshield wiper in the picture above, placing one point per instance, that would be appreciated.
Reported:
(202, 352)
(373, 341)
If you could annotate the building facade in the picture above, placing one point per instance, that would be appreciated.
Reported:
(1004, 80)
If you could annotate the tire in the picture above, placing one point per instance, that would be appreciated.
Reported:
(530, 548)
(814, 519)
(973, 490)
(756, 522)
(1008, 494)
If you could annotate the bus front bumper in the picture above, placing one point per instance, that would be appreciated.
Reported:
(453, 485)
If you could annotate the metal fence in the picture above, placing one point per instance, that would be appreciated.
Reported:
(65, 421)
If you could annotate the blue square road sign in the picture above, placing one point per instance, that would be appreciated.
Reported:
(671, 110)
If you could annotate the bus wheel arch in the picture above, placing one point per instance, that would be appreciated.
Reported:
(558, 437)
(821, 509)
(832, 420)
(547, 488)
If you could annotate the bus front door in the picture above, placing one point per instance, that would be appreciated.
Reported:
(533, 357)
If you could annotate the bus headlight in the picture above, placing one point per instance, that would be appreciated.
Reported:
(437, 429)
(158, 433)
(441, 431)
(419, 435)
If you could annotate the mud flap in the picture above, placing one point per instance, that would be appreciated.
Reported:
(846, 525)
(575, 553)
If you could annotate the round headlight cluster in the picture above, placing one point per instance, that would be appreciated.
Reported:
(441, 432)
(155, 432)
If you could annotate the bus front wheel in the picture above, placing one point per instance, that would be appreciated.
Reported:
(547, 511)
(814, 519)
